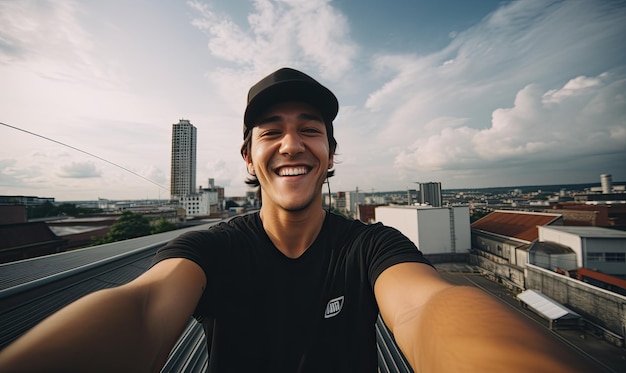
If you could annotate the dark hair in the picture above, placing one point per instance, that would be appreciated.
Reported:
(246, 147)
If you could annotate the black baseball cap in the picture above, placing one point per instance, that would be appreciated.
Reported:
(284, 85)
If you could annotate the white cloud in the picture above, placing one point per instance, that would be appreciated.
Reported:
(156, 174)
(10, 176)
(514, 90)
(222, 173)
(77, 170)
(311, 33)
(493, 106)
(47, 39)
(522, 43)
(583, 118)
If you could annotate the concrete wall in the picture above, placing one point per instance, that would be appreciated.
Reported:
(434, 231)
(498, 269)
(521, 257)
(605, 308)
(500, 246)
(462, 231)
(403, 219)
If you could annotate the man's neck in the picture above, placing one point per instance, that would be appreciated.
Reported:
(292, 232)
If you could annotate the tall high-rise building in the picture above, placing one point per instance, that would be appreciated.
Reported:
(183, 176)
(430, 193)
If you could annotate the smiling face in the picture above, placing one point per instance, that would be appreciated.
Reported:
(290, 156)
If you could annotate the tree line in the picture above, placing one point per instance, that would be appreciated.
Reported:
(131, 225)
(49, 209)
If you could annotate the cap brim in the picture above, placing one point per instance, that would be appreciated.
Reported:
(313, 94)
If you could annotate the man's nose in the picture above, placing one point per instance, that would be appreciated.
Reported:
(291, 143)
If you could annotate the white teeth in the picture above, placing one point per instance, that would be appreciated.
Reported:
(292, 171)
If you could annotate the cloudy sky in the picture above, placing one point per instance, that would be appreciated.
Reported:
(468, 93)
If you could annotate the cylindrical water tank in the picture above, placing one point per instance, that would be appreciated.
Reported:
(607, 183)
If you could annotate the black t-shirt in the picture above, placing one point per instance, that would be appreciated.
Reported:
(271, 313)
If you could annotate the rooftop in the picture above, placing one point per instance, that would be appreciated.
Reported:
(591, 232)
(66, 231)
(549, 247)
(516, 224)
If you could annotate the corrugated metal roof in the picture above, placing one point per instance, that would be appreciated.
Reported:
(516, 224)
(545, 306)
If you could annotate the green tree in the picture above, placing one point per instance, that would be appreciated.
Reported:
(48, 208)
(163, 225)
(478, 214)
(230, 203)
(340, 212)
(41, 211)
(67, 209)
(129, 225)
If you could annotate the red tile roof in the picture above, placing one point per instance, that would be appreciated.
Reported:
(516, 224)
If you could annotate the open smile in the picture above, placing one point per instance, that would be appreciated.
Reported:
(293, 170)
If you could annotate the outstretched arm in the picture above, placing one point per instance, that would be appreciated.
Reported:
(445, 328)
(131, 328)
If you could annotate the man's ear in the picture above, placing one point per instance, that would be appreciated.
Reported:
(249, 164)
(331, 161)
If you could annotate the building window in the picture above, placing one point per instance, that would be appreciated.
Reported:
(615, 257)
(595, 257)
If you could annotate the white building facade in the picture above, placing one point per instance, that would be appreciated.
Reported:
(596, 248)
(353, 200)
(199, 204)
(434, 230)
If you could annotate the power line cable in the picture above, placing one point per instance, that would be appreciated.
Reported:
(85, 152)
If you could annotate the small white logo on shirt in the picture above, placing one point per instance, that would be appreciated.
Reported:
(333, 307)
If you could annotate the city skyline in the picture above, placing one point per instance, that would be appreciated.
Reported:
(469, 95)
(593, 187)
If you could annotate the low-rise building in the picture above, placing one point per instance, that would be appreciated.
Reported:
(596, 248)
(502, 239)
(200, 204)
(434, 230)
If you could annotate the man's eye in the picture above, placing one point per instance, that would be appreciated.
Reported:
(312, 130)
(270, 133)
